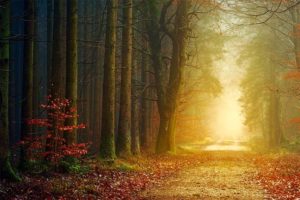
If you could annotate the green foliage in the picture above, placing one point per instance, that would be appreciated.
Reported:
(36, 166)
(107, 150)
(73, 165)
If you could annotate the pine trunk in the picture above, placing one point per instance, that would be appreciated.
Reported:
(107, 146)
(72, 66)
(6, 170)
(136, 112)
(146, 108)
(57, 82)
(124, 133)
(28, 73)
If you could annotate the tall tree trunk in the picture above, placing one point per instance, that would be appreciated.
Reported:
(146, 108)
(28, 73)
(72, 66)
(176, 70)
(135, 127)
(58, 69)
(274, 110)
(295, 38)
(49, 43)
(6, 170)
(136, 105)
(98, 76)
(107, 146)
(167, 95)
(124, 133)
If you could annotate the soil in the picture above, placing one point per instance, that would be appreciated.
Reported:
(227, 175)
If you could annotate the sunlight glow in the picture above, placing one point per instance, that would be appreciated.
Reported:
(226, 115)
(234, 146)
(228, 122)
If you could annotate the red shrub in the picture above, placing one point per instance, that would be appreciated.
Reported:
(50, 144)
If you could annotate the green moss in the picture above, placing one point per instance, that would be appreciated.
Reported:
(126, 167)
(107, 150)
(35, 166)
(7, 171)
(122, 165)
(73, 165)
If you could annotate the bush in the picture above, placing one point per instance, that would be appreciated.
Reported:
(73, 165)
(51, 146)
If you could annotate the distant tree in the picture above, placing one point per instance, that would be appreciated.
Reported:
(107, 145)
(295, 36)
(260, 87)
(6, 170)
(72, 66)
(200, 84)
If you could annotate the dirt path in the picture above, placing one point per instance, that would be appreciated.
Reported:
(227, 175)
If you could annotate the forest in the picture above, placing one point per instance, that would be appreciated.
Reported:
(149, 99)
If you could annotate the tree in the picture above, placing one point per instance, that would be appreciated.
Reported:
(135, 111)
(57, 73)
(57, 82)
(167, 93)
(72, 66)
(200, 84)
(5, 165)
(146, 103)
(295, 16)
(124, 134)
(27, 104)
(260, 87)
(50, 13)
(107, 145)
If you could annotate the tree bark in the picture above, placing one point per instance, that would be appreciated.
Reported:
(6, 170)
(57, 82)
(135, 129)
(107, 145)
(146, 108)
(28, 73)
(167, 93)
(124, 133)
(136, 111)
(275, 132)
(49, 44)
(72, 66)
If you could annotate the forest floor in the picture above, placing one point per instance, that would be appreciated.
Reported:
(226, 175)
(198, 175)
